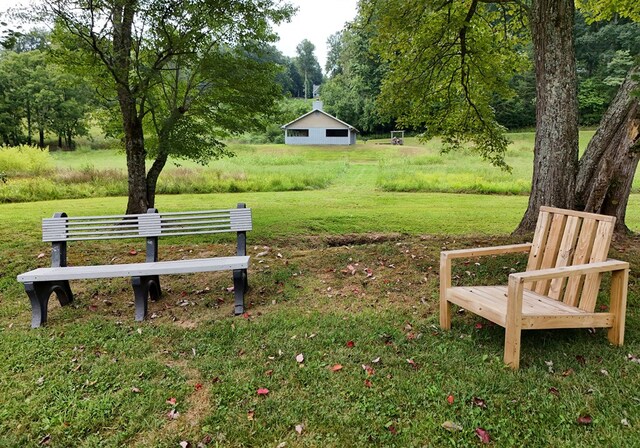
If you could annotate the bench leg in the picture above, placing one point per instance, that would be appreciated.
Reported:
(143, 287)
(39, 293)
(239, 285)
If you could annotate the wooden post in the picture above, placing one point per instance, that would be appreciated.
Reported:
(445, 284)
(513, 326)
(619, 280)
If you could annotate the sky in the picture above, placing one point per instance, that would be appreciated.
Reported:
(316, 20)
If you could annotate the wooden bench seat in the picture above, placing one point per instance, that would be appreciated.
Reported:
(538, 311)
(41, 283)
(559, 288)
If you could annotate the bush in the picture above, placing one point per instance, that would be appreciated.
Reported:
(25, 160)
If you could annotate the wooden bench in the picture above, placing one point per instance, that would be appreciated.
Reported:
(145, 277)
(559, 288)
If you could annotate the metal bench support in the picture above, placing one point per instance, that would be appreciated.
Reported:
(143, 288)
(39, 293)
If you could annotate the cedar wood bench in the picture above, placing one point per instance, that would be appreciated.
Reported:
(145, 277)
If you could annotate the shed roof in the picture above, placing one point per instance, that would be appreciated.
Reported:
(286, 126)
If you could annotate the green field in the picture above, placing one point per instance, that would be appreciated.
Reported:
(94, 378)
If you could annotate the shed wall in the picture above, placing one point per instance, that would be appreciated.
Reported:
(318, 137)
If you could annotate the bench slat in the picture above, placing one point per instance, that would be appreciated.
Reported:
(87, 228)
(135, 269)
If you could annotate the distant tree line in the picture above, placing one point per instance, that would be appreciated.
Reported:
(38, 96)
(605, 52)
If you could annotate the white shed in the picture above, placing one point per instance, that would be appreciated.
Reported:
(319, 128)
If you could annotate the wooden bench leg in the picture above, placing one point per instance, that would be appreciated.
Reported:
(445, 283)
(143, 287)
(239, 285)
(39, 293)
(512, 347)
(618, 295)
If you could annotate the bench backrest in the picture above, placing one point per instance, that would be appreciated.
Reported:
(153, 224)
(567, 238)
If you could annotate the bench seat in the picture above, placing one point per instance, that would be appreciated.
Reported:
(135, 269)
(538, 311)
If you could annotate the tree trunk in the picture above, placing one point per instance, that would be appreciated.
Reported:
(609, 163)
(41, 137)
(153, 174)
(123, 15)
(555, 164)
(136, 155)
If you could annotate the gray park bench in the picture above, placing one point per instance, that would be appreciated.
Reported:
(145, 277)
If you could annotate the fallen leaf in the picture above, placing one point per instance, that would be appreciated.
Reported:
(369, 272)
(173, 414)
(567, 372)
(269, 372)
(133, 252)
(263, 391)
(451, 426)
(478, 326)
(584, 420)
(581, 360)
(336, 367)
(300, 358)
(246, 315)
(45, 440)
(368, 383)
(370, 371)
(172, 401)
(604, 372)
(483, 435)
(281, 445)
(376, 361)
(633, 358)
(250, 415)
(299, 428)
(351, 344)
(554, 391)
(392, 429)
(41, 255)
(135, 390)
(450, 399)
(198, 386)
(185, 444)
(479, 402)
(624, 422)
(412, 363)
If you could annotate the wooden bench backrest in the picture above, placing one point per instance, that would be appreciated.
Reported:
(567, 238)
(63, 228)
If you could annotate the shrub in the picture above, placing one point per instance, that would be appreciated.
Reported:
(25, 160)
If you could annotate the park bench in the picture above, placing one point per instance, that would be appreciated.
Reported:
(559, 288)
(145, 277)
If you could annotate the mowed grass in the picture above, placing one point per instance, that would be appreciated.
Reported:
(191, 372)
(94, 377)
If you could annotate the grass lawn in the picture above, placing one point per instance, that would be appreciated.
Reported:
(93, 377)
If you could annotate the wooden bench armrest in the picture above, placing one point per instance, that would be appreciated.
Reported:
(483, 251)
(570, 271)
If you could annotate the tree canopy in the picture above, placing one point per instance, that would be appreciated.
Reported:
(173, 67)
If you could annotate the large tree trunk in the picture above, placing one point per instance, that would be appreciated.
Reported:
(609, 163)
(556, 145)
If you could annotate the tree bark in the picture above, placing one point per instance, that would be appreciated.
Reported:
(555, 163)
(123, 15)
(609, 163)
